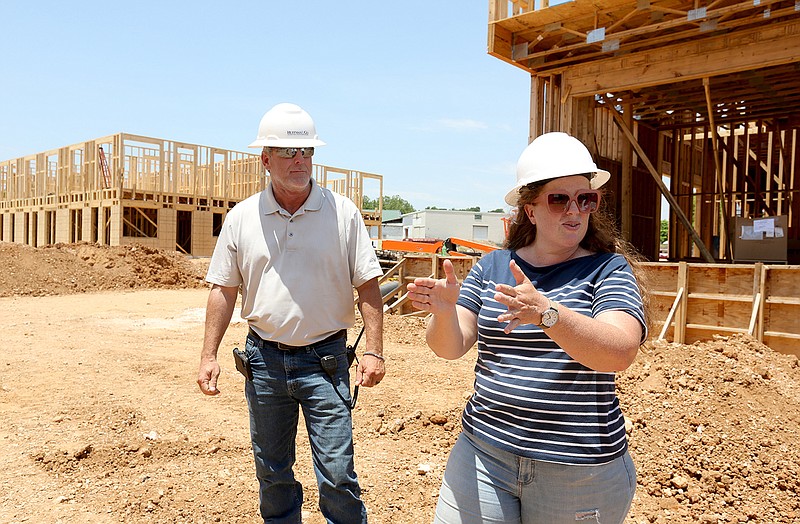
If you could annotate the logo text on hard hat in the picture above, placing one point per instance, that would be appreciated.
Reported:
(295, 133)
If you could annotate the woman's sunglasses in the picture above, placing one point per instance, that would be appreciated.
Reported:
(587, 200)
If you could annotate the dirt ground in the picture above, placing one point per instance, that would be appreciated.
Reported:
(101, 420)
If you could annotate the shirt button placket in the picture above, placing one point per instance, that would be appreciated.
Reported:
(290, 234)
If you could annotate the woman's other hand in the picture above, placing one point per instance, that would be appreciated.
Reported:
(525, 304)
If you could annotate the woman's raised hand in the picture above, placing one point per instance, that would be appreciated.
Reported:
(435, 296)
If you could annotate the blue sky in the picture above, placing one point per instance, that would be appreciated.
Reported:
(402, 89)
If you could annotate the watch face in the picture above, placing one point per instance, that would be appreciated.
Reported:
(549, 318)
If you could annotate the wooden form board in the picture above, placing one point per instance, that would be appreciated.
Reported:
(720, 299)
(698, 300)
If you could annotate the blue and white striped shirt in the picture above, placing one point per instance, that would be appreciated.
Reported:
(531, 398)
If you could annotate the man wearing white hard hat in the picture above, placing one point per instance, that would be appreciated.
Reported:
(555, 314)
(297, 250)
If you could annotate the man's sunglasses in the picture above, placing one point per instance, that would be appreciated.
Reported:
(290, 152)
(587, 200)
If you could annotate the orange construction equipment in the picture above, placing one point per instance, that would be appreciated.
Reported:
(440, 247)
(471, 244)
(412, 245)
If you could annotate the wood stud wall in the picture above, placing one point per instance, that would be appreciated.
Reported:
(160, 193)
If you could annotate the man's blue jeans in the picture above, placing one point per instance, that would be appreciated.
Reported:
(483, 484)
(284, 380)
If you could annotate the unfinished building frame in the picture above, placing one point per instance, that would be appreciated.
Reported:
(125, 189)
(704, 93)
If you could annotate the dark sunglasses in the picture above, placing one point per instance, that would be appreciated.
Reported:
(587, 200)
(290, 152)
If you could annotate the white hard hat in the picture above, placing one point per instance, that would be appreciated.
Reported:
(554, 155)
(287, 125)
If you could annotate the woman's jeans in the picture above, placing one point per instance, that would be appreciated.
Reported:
(483, 484)
(284, 380)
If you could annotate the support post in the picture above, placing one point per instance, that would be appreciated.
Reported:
(721, 189)
(671, 199)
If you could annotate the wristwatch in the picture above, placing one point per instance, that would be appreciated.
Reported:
(549, 315)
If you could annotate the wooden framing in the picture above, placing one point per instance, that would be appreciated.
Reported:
(705, 93)
(125, 189)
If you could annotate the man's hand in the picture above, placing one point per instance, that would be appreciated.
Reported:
(370, 371)
(207, 377)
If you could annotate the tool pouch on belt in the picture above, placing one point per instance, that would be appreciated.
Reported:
(242, 363)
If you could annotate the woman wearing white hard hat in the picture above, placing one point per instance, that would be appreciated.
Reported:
(555, 314)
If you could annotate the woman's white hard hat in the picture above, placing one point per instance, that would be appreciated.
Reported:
(555, 155)
(287, 125)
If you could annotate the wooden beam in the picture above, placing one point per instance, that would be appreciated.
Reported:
(755, 48)
(660, 183)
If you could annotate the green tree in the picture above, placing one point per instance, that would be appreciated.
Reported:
(398, 203)
(476, 209)
(664, 230)
(498, 210)
(369, 203)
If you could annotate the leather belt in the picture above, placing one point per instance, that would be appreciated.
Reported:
(260, 342)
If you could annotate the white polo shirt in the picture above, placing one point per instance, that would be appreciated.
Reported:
(297, 274)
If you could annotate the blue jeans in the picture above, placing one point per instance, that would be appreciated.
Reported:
(284, 380)
(483, 484)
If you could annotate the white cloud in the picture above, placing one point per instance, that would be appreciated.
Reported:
(462, 124)
(451, 124)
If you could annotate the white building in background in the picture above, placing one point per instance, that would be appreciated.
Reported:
(443, 224)
(391, 226)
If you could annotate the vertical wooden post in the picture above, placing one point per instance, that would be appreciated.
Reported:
(680, 317)
(535, 123)
(760, 289)
(626, 187)
(724, 209)
(660, 164)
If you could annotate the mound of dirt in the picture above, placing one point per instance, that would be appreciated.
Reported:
(714, 429)
(62, 269)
